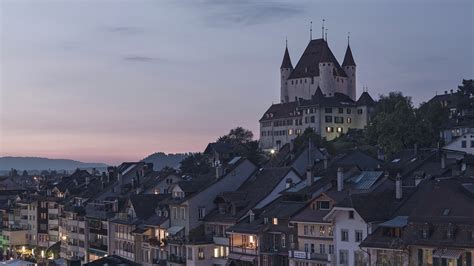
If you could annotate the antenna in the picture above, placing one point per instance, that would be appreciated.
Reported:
(348, 37)
(326, 35)
(311, 31)
(322, 30)
(286, 41)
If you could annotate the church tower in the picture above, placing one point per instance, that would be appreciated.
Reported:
(349, 67)
(285, 71)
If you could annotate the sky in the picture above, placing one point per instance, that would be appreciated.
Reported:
(112, 81)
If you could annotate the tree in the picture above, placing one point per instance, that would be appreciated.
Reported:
(435, 115)
(238, 135)
(465, 100)
(301, 141)
(195, 164)
(396, 125)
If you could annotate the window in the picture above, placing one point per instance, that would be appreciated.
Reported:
(283, 241)
(358, 236)
(322, 230)
(328, 110)
(341, 110)
(306, 247)
(311, 230)
(344, 235)
(275, 221)
(349, 120)
(339, 130)
(359, 258)
(290, 132)
(305, 230)
(201, 212)
(349, 111)
(330, 231)
(343, 254)
(312, 121)
(328, 119)
(472, 143)
(322, 248)
(338, 120)
(463, 144)
(183, 213)
(200, 253)
(329, 129)
(351, 214)
(175, 213)
(331, 249)
(359, 111)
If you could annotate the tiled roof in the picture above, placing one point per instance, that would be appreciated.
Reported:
(280, 110)
(348, 59)
(308, 66)
(365, 100)
(286, 63)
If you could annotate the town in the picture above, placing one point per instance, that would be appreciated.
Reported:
(331, 179)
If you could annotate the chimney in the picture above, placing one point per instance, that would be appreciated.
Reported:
(380, 154)
(251, 216)
(219, 171)
(398, 187)
(119, 178)
(115, 206)
(309, 176)
(340, 179)
(289, 182)
(415, 149)
(48, 192)
(88, 180)
(443, 161)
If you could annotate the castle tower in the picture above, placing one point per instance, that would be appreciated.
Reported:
(326, 71)
(349, 67)
(285, 71)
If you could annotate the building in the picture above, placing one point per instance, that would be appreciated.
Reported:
(317, 68)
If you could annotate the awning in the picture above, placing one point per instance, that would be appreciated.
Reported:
(234, 256)
(247, 258)
(448, 253)
(173, 230)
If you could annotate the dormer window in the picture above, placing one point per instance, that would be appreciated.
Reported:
(351, 214)
(450, 231)
(425, 232)
(323, 205)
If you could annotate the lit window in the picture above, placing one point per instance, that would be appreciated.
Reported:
(290, 131)
(339, 130)
(275, 221)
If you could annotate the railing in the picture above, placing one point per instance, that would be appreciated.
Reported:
(243, 250)
(176, 259)
(309, 255)
(99, 246)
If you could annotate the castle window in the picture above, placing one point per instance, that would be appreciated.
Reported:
(349, 110)
(328, 110)
(312, 119)
(359, 111)
(341, 110)
(312, 80)
(329, 129)
(349, 120)
(339, 130)
(338, 120)
(328, 119)
(292, 82)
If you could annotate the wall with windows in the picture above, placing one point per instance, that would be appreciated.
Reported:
(349, 230)
(464, 143)
(199, 255)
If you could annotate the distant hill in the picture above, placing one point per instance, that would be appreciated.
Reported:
(160, 160)
(38, 163)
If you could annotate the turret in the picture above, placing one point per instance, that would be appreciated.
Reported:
(349, 67)
(285, 71)
(326, 68)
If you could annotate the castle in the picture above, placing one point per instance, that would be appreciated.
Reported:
(317, 67)
(318, 93)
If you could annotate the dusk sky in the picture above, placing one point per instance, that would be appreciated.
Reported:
(109, 81)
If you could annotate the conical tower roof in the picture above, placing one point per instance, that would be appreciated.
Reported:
(348, 59)
(286, 63)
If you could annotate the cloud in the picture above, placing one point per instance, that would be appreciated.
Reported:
(247, 13)
(142, 59)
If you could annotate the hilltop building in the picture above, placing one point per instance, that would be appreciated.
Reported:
(318, 93)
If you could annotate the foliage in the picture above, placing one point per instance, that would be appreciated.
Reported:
(397, 126)
(301, 141)
(464, 96)
(243, 144)
(238, 135)
(195, 163)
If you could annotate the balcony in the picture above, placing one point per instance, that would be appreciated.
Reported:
(296, 254)
(176, 259)
(224, 241)
(98, 246)
(244, 250)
